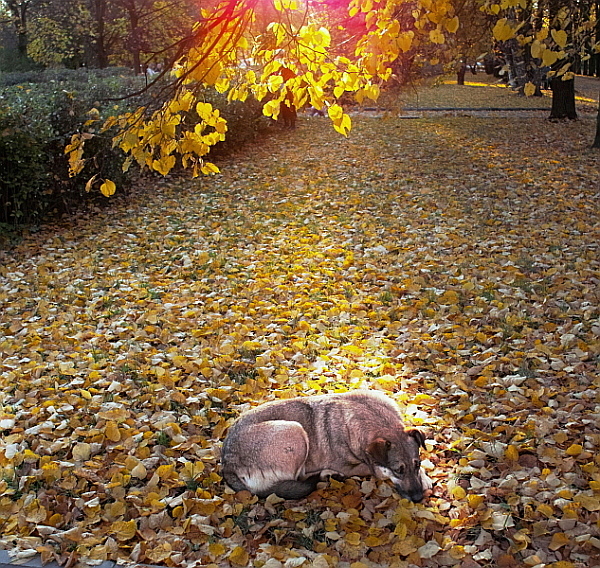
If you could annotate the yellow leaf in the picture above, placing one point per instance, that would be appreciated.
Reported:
(164, 165)
(503, 31)
(549, 57)
(588, 503)
(124, 530)
(405, 40)
(529, 89)
(36, 513)
(560, 37)
(112, 432)
(545, 510)
(353, 349)
(353, 538)
(558, 540)
(239, 556)
(512, 453)
(191, 470)
(436, 36)
(165, 471)
(458, 492)
(209, 168)
(449, 297)
(537, 49)
(452, 24)
(574, 450)
(216, 549)
(475, 500)
(542, 34)
(108, 188)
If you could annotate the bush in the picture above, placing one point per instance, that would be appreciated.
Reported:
(40, 111)
(37, 120)
(73, 76)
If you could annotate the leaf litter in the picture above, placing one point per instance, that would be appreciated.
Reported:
(450, 262)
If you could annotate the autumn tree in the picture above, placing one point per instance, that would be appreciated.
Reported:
(548, 37)
(20, 11)
(230, 53)
(473, 37)
(61, 34)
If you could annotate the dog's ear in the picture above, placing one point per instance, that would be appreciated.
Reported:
(378, 450)
(418, 436)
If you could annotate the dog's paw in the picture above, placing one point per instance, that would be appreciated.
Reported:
(331, 473)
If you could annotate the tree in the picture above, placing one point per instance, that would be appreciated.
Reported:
(230, 52)
(473, 36)
(545, 36)
(596, 143)
(19, 11)
(149, 29)
(61, 34)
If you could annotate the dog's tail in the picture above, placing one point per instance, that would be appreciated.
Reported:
(293, 488)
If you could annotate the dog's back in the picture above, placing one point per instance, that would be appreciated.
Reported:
(292, 441)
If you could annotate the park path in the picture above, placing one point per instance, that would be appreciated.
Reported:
(452, 262)
(588, 86)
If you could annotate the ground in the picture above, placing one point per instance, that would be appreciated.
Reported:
(451, 262)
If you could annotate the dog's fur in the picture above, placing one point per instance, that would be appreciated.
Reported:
(287, 446)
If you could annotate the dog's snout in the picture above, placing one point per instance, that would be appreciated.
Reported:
(414, 495)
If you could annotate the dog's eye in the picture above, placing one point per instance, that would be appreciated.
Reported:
(401, 469)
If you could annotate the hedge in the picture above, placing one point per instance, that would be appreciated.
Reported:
(40, 111)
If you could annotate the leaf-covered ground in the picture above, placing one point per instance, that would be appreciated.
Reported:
(483, 92)
(452, 262)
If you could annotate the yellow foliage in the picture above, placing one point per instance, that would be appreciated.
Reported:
(503, 31)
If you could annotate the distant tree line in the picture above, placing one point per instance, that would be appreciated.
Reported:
(93, 33)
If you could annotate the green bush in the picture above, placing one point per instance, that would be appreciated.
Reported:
(25, 176)
(72, 76)
(40, 111)
(37, 120)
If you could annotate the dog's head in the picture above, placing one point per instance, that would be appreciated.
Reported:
(397, 458)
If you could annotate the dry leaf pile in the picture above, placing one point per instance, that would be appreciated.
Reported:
(451, 262)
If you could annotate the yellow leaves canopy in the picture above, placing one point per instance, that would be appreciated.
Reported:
(299, 65)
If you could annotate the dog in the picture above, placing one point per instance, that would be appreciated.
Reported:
(287, 446)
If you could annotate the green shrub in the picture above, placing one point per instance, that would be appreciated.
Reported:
(72, 76)
(25, 176)
(40, 111)
(37, 120)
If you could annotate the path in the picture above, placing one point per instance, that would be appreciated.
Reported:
(588, 86)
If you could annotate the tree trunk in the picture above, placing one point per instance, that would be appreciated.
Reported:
(596, 143)
(101, 54)
(563, 99)
(18, 12)
(135, 36)
(460, 74)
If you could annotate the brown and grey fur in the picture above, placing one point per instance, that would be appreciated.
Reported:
(287, 446)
